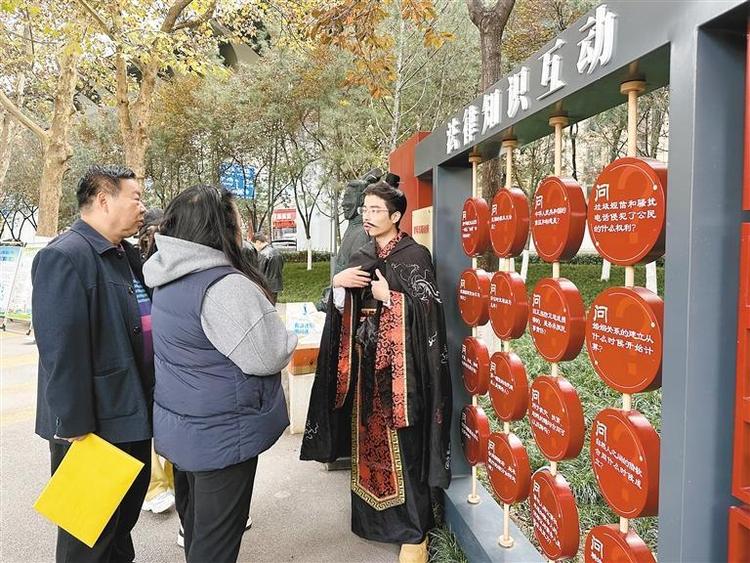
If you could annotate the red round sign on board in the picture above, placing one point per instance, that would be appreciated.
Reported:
(557, 319)
(475, 365)
(554, 515)
(628, 211)
(558, 218)
(607, 544)
(624, 338)
(509, 388)
(508, 467)
(556, 417)
(625, 459)
(475, 431)
(509, 306)
(509, 222)
(475, 226)
(474, 296)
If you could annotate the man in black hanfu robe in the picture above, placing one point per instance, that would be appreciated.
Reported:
(382, 390)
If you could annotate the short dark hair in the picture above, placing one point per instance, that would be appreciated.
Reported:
(394, 199)
(100, 178)
(259, 237)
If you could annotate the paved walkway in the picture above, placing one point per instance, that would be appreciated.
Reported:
(300, 512)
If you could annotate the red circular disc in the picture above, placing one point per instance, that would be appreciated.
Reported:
(554, 515)
(475, 365)
(625, 459)
(627, 216)
(624, 338)
(509, 306)
(509, 388)
(557, 319)
(474, 296)
(508, 467)
(556, 417)
(608, 544)
(475, 431)
(509, 222)
(475, 226)
(558, 218)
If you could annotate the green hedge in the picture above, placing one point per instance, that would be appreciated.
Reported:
(593, 259)
(301, 256)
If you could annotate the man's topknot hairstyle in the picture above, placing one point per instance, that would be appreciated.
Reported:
(100, 178)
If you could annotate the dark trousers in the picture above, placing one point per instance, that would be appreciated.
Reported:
(115, 545)
(217, 508)
(181, 494)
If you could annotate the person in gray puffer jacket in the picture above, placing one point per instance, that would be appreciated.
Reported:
(219, 346)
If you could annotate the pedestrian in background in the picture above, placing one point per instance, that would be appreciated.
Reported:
(92, 320)
(219, 348)
(160, 494)
(151, 220)
(271, 265)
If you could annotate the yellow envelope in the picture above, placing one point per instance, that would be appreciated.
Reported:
(87, 487)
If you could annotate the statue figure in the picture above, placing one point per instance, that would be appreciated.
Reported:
(355, 236)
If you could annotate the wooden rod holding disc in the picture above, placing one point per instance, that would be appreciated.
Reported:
(558, 122)
(473, 497)
(506, 540)
(506, 264)
(474, 158)
(509, 145)
(632, 89)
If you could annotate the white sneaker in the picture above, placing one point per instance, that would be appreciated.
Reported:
(181, 536)
(160, 503)
(249, 523)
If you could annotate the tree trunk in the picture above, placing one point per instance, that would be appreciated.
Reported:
(398, 84)
(135, 118)
(57, 150)
(490, 21)
(7, 133)
(309, 253)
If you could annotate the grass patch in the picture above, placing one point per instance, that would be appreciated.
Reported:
(303, 285)
(444, 548)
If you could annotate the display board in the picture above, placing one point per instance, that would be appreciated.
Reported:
(19, 301)
(620, 48)
(10, 256)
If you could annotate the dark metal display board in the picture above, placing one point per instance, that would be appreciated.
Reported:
(698, 48)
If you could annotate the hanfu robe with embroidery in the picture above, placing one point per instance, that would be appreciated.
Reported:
(382, 394)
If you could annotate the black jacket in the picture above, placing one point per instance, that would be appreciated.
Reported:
(93, 376)
(271, 265)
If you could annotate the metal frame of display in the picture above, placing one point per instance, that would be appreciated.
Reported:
(698, 49)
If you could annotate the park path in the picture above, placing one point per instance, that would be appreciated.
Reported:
(300, 512)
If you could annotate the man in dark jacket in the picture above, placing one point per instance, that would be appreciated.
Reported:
(270, 264)
(92, 320)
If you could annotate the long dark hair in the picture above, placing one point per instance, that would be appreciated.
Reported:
(207, 215)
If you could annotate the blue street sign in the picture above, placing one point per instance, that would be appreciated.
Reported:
(238, 180)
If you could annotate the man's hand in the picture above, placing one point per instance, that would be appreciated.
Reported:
(380, 288)
(352, 278)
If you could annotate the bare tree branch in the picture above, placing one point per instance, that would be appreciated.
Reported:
(22, 118)
(200, 20)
